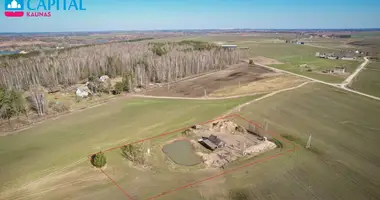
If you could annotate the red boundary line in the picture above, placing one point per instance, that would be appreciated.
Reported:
(208, 178)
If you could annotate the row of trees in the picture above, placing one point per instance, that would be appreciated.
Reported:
(146, 62)
(13, 103)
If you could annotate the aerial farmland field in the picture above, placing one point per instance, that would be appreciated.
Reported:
(342, 161)
(43, 149)
(54, 159)
(368, 81)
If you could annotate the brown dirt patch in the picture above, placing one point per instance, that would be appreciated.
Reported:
(265, 61)
(235, 75)
(269, 84)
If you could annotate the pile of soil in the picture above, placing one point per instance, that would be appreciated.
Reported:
(226, 126)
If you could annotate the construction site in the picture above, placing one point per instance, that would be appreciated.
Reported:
(225, 141)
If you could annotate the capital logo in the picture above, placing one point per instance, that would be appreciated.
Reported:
(14, 8)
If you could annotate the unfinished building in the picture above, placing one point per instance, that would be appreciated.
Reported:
(228, 141)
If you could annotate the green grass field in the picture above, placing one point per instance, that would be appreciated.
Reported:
(366, 34)
(368, 80)
(53, 144)
(343, 162)
(293, 55)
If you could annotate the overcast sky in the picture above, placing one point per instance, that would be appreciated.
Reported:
(201, 14)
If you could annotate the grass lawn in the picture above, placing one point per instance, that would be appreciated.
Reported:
(344, 160)
(368, 80)
(48, 146)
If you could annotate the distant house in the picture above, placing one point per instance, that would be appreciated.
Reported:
(336, 70)
(229, 46)
(337, 55)
(339, 70)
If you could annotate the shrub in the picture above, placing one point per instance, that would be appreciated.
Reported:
(119, 88)
(60, 107)
(99, 160)
(187, 132)
(240, 129)
(250, 61)
(125, 84)
(134, 153)
(11, 104)
(51, 104)
(277, 142)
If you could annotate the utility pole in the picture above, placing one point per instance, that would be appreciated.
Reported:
(265, 128)
(308, 145)
(266, 125)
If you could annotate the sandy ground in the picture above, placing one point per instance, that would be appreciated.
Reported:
(238, 74)
(265, 61)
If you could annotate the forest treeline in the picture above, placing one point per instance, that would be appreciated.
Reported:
(143, 62)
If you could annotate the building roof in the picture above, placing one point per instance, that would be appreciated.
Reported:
(208, 144)
(229, 45)
(214, 139)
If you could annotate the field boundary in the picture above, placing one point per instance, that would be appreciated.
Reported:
(273, 134)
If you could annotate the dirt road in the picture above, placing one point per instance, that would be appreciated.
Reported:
(263, 97)
(357, 71)
(341, 86)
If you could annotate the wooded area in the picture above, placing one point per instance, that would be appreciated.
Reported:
(143, 62)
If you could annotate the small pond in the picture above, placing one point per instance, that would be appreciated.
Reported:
(182, 152)
(8, 52)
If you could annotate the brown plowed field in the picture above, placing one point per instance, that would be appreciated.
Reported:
(235, 75)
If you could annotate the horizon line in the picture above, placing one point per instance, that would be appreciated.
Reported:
(207, 29)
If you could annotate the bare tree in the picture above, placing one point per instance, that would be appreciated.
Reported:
(37, 100)
(177, 60)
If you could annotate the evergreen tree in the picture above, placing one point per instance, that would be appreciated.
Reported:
(99, 160)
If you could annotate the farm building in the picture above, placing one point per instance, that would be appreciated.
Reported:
(212, 142)
(337, 55)
(337, 70)
(340, 70)
(214, 139)
(208, 144)
(229, 46)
